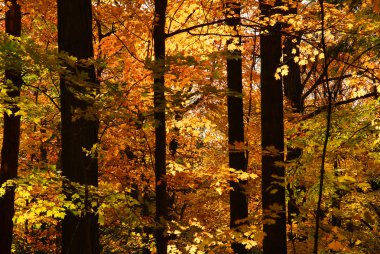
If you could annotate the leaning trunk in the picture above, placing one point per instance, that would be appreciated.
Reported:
(11, 138)
(80, 233)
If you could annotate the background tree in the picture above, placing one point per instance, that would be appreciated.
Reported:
(11, 134)
(236, 140)
(293, 90)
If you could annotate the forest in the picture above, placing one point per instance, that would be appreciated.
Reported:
(190, 126)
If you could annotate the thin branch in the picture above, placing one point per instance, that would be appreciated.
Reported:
(175, 12)
(44, 93)
(328, 126)
(339, 103)
(188, 29)
(128, 50)
(353, 135)
(322, 81)
(308, 76)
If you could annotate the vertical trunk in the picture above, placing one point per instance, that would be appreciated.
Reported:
(272, 132)
(237, 160)
(11, 139)
(160, 125)
(292, 82)
(336, 198)
(79, 124)
(293, 89)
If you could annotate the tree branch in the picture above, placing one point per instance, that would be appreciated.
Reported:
(187, 29)
(322, 81)
(339, 103)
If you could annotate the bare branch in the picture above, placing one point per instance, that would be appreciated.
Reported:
(339, 103)
(188, 29)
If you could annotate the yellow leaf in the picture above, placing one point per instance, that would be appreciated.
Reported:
(303, 62)
(284, 70)
(219, 190)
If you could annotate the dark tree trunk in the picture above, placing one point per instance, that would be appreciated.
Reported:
(11, 138)
(336, 199)
(293, 89)
(293, 86)
(80, 234)
(160, 126)
(237, 159)
(272, 133)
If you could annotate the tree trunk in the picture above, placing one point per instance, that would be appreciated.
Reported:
(80, 234)
(336, 199)
(160, 126)
(11, 138)
(272, 133)
(236, 150)
(293, 89)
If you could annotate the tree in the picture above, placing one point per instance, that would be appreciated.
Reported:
(201, 67)
(236, 151)
(293, 88)
(272, 134)
(79, 124)
(160, 125)
(11, 135)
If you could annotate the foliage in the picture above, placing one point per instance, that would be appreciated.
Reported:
(198, 174)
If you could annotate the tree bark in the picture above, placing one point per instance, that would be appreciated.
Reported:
(336, 199)
(80, 234)
(160, 126)
(236, 150)
(293, 89)
(293, 86)
(11, 135)
(272, 133)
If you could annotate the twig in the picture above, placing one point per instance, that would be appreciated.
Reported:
(328, 126)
